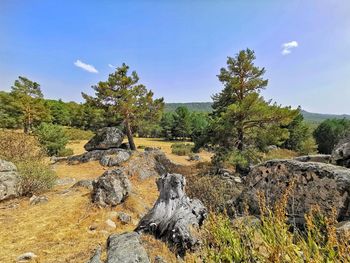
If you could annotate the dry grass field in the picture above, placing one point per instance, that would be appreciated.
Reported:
(58, 231)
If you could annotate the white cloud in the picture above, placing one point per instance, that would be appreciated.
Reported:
(287, 47)
(111, 66)
(84, 66)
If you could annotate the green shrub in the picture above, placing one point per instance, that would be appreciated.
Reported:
(65, 152)
(35, 177)
(52, 138)
(74, 134)
(181, 148)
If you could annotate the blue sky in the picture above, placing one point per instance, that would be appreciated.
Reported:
(178, 47)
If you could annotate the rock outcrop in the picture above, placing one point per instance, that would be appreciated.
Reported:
(174, 216)
(126, 248)
(151, 162)
(95, 155)
(341, 153)
(115, 159)
(325, 185)
(111, 188)
(9, 180)
(106, 138)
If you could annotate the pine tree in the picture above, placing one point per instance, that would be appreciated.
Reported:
(121, 95)
(28, 100)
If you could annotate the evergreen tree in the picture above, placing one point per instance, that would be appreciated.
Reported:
(121, 95)
(28, 100)
(181, 123)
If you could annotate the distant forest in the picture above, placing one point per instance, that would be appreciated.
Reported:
(206, 107)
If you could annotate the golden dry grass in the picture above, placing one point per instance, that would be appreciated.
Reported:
(58, 231)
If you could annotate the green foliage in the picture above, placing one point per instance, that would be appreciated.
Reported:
(181, 127)
(300, 137)
(9, 115)
(74, 134)
(122, 96)
(329, 132)
(60, 112)
(52, 138)
(181, 149)
(28, 101)
(201, 107)
(35, 177)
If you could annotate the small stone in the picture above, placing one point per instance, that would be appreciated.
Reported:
(34, 200)
(83, 183)
(93, 226)
(26, 257)
(110, 223)
(124, 217)
(65, 181)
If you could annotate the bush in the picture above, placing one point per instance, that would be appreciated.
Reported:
(16, 147)
(52, 138)
(35, 177)
(74, 134)
(213, 191)
(181, 149)
(329, 133)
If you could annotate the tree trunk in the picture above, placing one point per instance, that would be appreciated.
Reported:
(130, 137)
(240, 145)
(174, 217)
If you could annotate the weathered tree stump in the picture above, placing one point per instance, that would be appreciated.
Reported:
(174, 216)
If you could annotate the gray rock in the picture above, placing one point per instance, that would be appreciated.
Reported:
(9, 180)
(174, 216)
(124, 217)
(325, 185)
(84, 183)
(321, 158)
(341, 153)
(126, 248)
(26, 257)
(96, 256)
(271, 148)
(35, 200)
(115, 159)
(94, 155)
(105, 138)
(343, 227)
(65, 181)
(111, 188)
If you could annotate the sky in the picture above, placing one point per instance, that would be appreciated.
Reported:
(177, 47)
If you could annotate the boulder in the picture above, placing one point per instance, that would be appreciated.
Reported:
(174, 217)
(126, 248)
(111, 188)
(320, 158)
(94, 155)
(341, 153)
(96, 256)
(115, 159)
(9, 180)
(152, 162)
(325, 185)
(105, 138)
